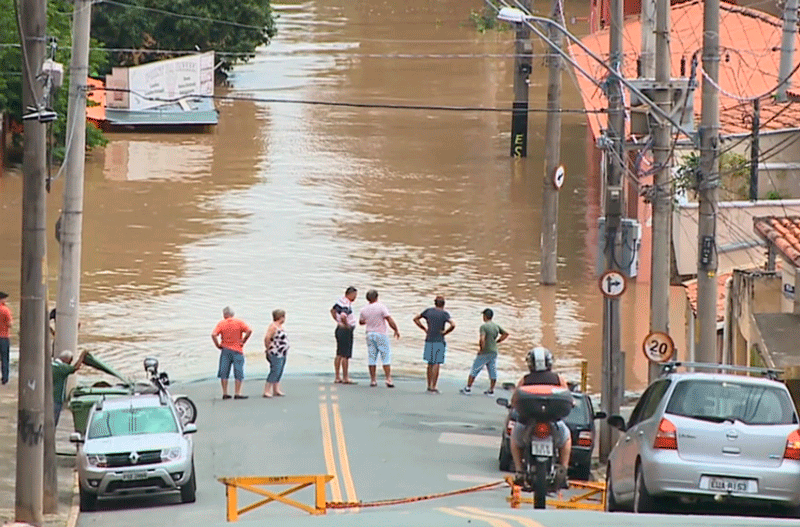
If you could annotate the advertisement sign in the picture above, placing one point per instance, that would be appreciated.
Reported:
(166, 81)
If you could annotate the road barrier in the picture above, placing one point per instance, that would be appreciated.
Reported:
(250, 483)
(592, 496)
(398, 501)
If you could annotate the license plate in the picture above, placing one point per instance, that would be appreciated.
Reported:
(130, 476)
(737, 485)
(542, 448)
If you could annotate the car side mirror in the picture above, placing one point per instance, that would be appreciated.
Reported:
(502, 401)
(600, 415)
(189, 428)
(616, 421)
(75, 437)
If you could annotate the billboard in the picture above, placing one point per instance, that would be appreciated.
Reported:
(168, 80)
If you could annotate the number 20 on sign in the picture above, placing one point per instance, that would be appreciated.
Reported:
(658, 347)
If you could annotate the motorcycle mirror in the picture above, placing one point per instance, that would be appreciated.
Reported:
(502, 401)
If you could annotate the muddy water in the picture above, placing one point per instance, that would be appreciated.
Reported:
(283, 205)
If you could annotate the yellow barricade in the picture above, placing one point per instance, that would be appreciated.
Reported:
(250, 483)
(592, 496)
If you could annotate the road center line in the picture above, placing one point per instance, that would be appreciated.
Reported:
(494, 522)
(527, 522)
(344, 461)
(327, 448)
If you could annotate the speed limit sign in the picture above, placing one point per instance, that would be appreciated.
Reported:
(658, 347)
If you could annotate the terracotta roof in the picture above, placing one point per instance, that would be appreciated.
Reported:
(691, 294)
(750, 43)
(783, 233)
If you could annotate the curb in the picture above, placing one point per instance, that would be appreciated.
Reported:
(72, 518)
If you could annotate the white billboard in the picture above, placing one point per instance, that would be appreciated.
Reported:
(165, 81)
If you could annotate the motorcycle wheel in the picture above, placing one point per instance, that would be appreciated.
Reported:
(540, 485)
(187, 411)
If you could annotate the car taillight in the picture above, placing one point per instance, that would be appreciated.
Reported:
(792, 446)
(585, 438)
(541, 430)
(667, 436)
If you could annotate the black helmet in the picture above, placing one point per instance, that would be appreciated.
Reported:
(539, 359)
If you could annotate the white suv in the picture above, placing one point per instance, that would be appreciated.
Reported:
(135, 444)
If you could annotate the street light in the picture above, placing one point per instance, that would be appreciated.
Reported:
(512, 14)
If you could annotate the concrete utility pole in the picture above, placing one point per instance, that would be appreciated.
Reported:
(522, 70)
(647, 66)
(707, 187)
(754, 148)
(612, 367)
(662, 189)
(552, 153)
(33, 276)
(787, 48)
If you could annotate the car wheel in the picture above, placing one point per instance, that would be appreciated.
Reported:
(611, 502)
(642, 501)
(188, 491)
(88, 501)
(187, 411)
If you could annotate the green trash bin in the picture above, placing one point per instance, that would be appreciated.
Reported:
(82, 398)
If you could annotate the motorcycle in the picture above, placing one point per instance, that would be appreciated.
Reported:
(540, 407)
(187, 411)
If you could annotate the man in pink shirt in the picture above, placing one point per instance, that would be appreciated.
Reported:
(229, 337)
(375, 317)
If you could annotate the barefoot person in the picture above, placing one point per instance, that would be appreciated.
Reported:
(230, 336)
(376, 317)
(277, 346)
(342, 313)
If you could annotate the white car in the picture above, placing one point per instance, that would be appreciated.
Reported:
(135, 444)
(707, 437)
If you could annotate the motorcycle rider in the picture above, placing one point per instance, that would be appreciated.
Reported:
(540, 364)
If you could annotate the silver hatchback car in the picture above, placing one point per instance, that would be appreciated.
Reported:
(135, 444)
(697, 437)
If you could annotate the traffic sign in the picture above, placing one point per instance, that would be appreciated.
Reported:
(558, 177)
(612, 283)
(658, 347)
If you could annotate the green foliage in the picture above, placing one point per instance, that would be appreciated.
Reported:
(485, 19)
(131, 27)
(774, 194)
(734, 173)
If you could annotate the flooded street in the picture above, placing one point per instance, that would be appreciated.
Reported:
(283, 205)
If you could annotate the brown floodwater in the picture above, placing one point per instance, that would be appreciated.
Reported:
(283, 205)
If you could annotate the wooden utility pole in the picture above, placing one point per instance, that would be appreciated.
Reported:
(33, 276)
(787, 48)
(707, 188)
(552, 153)
(522, 70)
(614, 155)
(662, 189)
(754, 148)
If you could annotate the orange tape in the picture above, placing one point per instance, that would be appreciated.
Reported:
(398, 501)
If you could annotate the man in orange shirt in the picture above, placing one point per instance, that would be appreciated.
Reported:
(229, 337)
(5, 331)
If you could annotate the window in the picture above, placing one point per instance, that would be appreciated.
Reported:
(648, 403)
(719, 401)
(579, 414)
(132, 421)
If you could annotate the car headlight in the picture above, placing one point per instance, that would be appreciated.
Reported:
(171, 454)
(97, 460)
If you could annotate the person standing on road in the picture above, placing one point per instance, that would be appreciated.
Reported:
(342, 313)
(62, 368)
(375, 317)
(435, 345)
(490, 336)
(230, 336)
(5, 333)
(277, 346)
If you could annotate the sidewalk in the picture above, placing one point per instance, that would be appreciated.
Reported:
(8, 458)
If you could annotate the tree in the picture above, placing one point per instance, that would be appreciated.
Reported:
(233, 29)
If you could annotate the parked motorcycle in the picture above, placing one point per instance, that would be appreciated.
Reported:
(187, 411)
(539, 408)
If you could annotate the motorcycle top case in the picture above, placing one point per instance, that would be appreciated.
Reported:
(543, 402)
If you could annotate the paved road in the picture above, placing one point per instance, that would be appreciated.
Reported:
(380, 443)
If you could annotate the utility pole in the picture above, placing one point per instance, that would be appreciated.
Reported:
(707, 188)
(754, 148)
(522, 70)
(787, 48)
(614, 155)
(662, 189)
(552, 153)
(33, 276)
(647, 67)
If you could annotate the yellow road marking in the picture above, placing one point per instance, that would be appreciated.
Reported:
(327, 447)
(494, 522)
(344, 461)
(527, 522)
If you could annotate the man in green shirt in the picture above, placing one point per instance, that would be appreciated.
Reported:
(63, 368)
(491, 335)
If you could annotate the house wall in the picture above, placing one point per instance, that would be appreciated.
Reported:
(778, 168)
(753, 292)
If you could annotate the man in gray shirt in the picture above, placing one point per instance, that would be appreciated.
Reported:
(435, 346)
